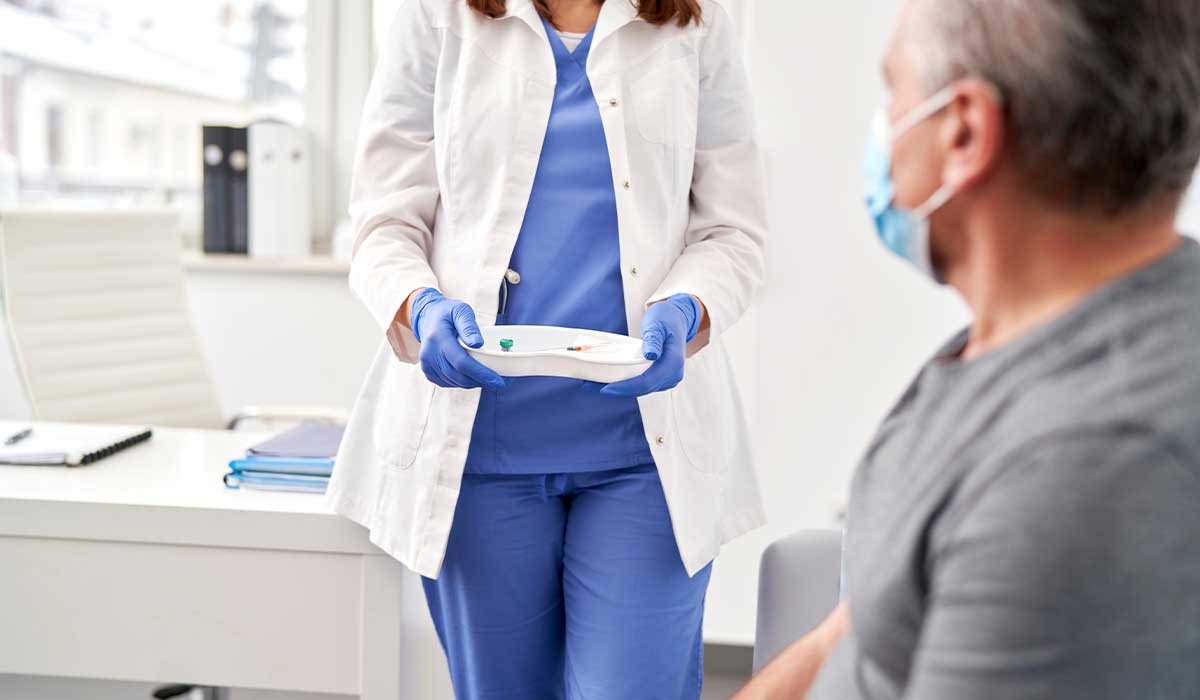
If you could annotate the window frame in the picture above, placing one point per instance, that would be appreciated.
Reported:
(338, 65)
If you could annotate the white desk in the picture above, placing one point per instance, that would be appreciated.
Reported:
(144, 567)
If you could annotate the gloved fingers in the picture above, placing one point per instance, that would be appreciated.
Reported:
(654, 337)
(429, 366)
(465, 325)
(453, 376)
(666, 373)
(441, 372)
(458, 380)
(468, 368)
(631, 388)
(647, 382)
(674, 357)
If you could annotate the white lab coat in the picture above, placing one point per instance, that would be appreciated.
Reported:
(449, 145)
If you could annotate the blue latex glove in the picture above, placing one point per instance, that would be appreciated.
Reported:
(666, 329)
(438, 323)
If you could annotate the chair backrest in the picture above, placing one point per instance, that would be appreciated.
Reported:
(798, 582)
(98, 319)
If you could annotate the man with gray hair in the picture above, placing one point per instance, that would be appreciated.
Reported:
(1026, 524)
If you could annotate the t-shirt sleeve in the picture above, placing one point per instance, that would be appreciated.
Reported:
(1074, 574)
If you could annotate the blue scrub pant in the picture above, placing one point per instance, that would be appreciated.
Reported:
(568, 586)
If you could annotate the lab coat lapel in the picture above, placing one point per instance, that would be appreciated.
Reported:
(613, 15)
(526, 12)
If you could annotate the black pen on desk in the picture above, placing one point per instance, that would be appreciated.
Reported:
(18, 436)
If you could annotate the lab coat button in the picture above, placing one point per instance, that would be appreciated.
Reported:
(613, 102)
(512, 276)
(660, 440)
(627, 186)
(633, 271)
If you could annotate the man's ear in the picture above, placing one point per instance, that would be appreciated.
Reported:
(974, 134)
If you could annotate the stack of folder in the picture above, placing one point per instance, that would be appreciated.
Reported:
(300, 459)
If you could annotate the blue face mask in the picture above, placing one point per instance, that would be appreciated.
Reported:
(906, 233)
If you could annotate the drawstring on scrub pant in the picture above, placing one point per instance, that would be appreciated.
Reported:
(559, 485)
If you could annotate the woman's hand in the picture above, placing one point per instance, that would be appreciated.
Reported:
(438, 323)
(666, 329)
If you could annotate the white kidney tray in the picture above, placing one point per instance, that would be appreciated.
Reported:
(541, 351)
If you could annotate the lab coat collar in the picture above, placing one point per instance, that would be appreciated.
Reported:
(613, 15)
(527, 12)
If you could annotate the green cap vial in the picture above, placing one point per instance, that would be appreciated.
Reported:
(506, 344)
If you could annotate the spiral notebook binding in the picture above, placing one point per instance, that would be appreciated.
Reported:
(115, 447)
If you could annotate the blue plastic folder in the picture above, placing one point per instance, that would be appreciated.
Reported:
(273, 481)
(311, 466)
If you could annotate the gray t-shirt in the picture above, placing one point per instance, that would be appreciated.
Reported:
(1027, 525)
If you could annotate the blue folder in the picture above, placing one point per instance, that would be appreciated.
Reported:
(272, 481)
(312, 466)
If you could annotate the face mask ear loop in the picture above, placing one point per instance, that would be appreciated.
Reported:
(936, 103)
(937, 201)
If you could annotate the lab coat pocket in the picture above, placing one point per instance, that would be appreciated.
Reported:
(403, 416)
(699, 409)
(665, 102)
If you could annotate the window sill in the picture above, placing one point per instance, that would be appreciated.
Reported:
(312, 265)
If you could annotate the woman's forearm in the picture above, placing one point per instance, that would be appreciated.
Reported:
(790, 675)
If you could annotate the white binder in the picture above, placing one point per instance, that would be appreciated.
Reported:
(280, 197)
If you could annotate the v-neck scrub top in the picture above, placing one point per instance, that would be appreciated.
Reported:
(564, 271)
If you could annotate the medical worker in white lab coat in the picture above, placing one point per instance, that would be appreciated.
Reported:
(576, 163)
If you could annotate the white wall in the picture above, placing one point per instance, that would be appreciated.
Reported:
(281, 338)
(842, 326)
(1189, 219)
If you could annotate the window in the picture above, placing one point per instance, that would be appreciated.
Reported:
(101, 102)
(54, 138)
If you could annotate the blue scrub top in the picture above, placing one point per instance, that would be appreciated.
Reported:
(568, 256)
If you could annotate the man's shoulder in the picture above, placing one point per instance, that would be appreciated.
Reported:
(1153, 395)
(1134, 364)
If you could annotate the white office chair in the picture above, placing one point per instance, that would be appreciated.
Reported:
(99, 323)
(798, 582)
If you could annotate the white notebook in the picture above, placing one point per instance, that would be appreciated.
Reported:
(71, 445)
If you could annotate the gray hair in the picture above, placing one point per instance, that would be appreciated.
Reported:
(1102, 96)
